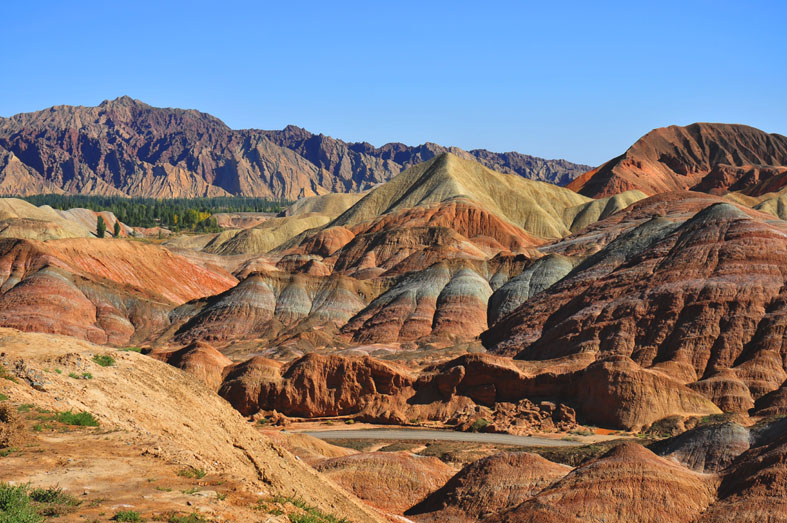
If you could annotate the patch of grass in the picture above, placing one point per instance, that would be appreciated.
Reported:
(190, 491)
(81, 419)
(192, 473)
(312, 514)
(349, 422)
(130, 349)
(15, 505)
(38, 427)
(174, 517)
(3, 397)
(59, 371)
(221, 496)
(126, 515)
(163, 489)
(105, 360)
(6, 375)
(53, 502)
(25, 407)
(263, 421)
(5, 452)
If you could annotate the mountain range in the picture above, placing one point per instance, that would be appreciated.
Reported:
(127, 148)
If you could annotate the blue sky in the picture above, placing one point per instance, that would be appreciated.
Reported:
(580, 81)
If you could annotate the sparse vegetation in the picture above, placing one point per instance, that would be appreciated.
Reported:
(15, 505)
(130, 349)
(105, 360)
(126, 515)
(311, 514)
(83, 376)
(21, 504)
(6, 375)
(194, 517)
(192, 472)
(81, 419)
(53, 502)
(3, 397)
(190, 491)
(25, 407)
(479, 425)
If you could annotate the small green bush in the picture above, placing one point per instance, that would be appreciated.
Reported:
(188, 518)
(15, 506)
(3, 397)
(130, 349)
(126, 515)
(105, 360)
(479, 425)
(81, 419)
(25, 407)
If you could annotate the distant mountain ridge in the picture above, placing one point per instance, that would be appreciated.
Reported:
(125, 147)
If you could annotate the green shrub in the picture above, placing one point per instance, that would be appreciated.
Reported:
(105, 360)
(82, 419)
(479, 425)
(53, 502)
(130, 349)
(126, 515)
(188, 518)
(15, 506)
(6, 375)
(25, 407)
(3, 397)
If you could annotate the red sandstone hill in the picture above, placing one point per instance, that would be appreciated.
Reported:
(106, 291)
(707, 157)
(126, 147)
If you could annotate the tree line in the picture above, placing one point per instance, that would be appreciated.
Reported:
(176, 214)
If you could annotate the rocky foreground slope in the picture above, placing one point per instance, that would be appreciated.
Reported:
(126, 147)
(165, 415)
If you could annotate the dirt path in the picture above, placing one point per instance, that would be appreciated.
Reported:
(408, 434)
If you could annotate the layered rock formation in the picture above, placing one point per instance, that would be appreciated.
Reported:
(628, 483)
(390, 481)
(489, 486)
(707, 157)
(691, 297)
(126, 147)
(107, 291)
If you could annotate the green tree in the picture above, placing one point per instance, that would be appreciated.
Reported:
(116, 230)
(101, 227)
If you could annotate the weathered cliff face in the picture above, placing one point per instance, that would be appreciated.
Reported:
(126, 147)
(706, 157)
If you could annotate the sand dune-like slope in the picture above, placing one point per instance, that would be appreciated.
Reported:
(165, 413)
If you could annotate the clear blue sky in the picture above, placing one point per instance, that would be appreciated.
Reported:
(580, 81)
